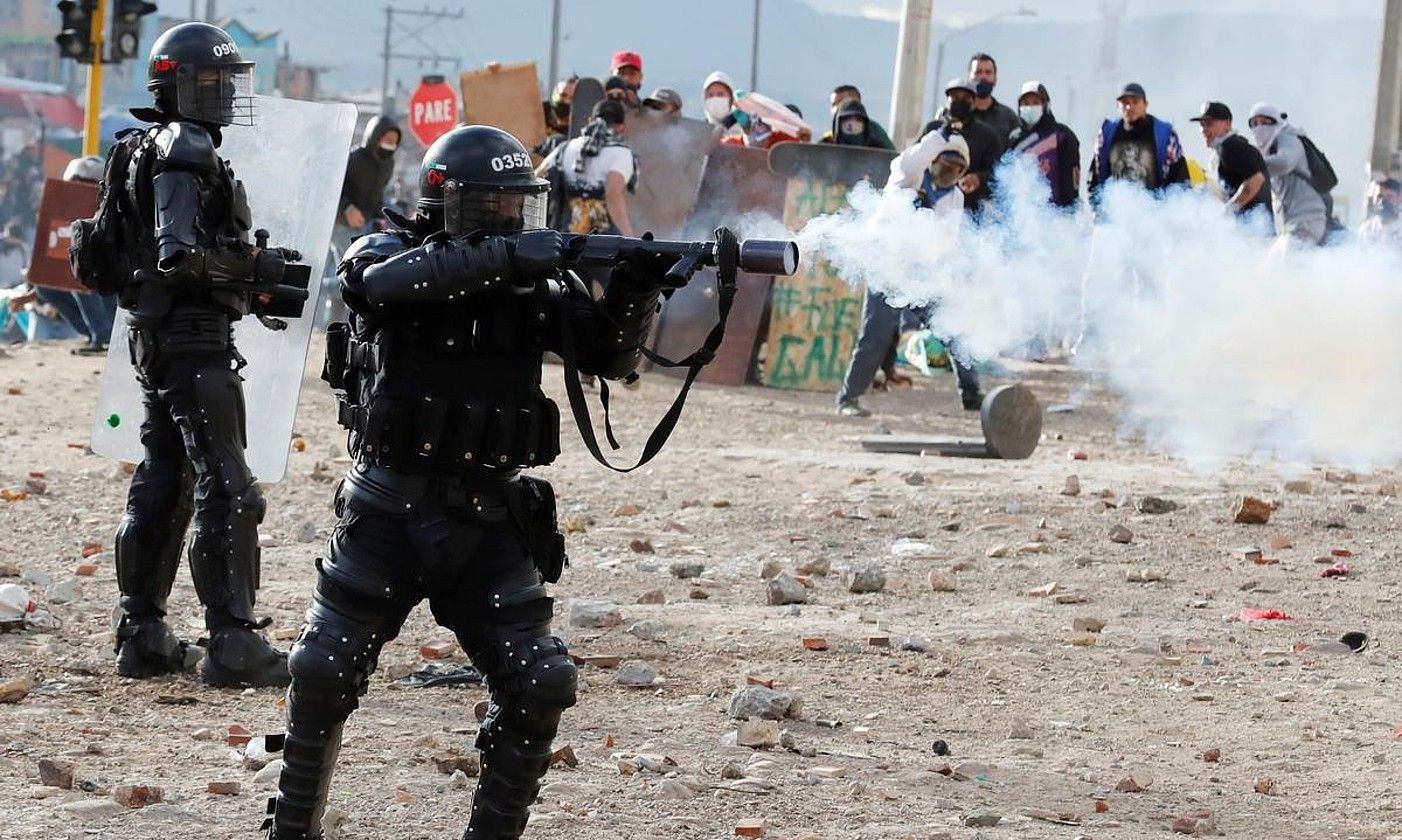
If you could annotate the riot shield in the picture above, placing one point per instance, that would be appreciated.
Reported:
(587, 93)
(63, 201)
(671, 153)
(506, 96)
(292, 163)
(815, 316)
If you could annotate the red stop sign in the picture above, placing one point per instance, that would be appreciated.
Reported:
(433, 109)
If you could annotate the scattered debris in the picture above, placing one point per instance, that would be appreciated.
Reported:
(1250, 510)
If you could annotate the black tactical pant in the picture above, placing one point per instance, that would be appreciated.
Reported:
(469, 556)
(194, 436)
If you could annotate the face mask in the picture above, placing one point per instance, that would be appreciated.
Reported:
(388, 149)
(1031, 114)
(984, 88)
(717, 108)
(853, 126)
(960, 110)
(1265, 135)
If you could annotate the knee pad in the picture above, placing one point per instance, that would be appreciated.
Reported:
(330, 669)
(539, 680)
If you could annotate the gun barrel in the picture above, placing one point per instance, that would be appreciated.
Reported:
(769, 256)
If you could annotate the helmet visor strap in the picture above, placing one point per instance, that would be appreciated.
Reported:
(218, 95)
(467, 209)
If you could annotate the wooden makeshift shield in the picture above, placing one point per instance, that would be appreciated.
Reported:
(506, 96)
(736, 182)
(671, 153)
(815, 315)
(62, 202)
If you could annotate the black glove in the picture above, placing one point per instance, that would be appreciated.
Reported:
(645, 267)
(537, 252)
(289, 254)
(269, 266)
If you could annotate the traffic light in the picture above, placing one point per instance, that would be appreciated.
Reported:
(126, 27)
(75, 33)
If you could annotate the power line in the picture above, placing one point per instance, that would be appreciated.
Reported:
(430, 56)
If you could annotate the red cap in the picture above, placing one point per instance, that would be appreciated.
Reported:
(626, 58)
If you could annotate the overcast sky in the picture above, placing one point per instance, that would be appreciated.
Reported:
(961, 13)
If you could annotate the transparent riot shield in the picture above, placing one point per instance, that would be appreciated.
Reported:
(292, 162)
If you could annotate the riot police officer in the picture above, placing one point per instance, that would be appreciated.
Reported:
(438, 381)
(186, 261)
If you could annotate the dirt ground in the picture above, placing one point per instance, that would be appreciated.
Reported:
(1042, 721)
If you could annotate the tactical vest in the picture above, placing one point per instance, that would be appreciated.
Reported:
(446, 389)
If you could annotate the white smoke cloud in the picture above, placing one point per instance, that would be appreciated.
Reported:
(1221, 343)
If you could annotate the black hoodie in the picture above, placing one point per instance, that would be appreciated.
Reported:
(368, 171)
(868, 137)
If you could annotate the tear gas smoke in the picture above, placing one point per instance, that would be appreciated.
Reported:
(1221, 342)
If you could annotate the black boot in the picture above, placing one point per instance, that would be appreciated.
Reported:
(148, 648)
(238, 657)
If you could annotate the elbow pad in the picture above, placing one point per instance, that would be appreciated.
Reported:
(438, 272)
(177, 199)
(630, 310)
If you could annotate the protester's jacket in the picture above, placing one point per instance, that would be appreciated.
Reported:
(368, 171)
(1058, 156)
(1167, 167)
(1000, 119)
(1294, 197)
(985, 149)
(874, 137)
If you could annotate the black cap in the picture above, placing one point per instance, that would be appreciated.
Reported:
(1133, 89)
(1214, 111)
(610, 110)
(615, 83)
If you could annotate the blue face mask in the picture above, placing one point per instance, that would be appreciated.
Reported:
(1031, 114)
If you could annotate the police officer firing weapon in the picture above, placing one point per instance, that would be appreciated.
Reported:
(171, 238)
(438, 378)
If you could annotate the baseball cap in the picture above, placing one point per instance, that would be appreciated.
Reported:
(1214, 111)
(1036, 88)
(961, 84)
(663, 96)
(1132, 89)
(611, 110)
(626, 58)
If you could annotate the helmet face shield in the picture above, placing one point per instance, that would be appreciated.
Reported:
(218, 94)
(474, 209)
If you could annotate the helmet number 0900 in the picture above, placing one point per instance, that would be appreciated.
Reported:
(221, 50)
(515, 160)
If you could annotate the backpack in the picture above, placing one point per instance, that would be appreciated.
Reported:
(1322, 175)
(101, 251)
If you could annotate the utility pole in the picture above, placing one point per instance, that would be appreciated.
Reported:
(91, 122)
(433, 56)
(912, 63)
(754, 50)
(1387, 121)
(554, 76)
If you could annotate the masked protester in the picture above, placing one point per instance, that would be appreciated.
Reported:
(368, 172)
(1301, 211)
(850, 93)
(596, 172)
(1051, 144)
(1002, 120)
(557, 116)
(438, 378)
(1138, 147)
(852, 127)
(932, 168)
(184, 223)
(985, 146)
(1384, 224)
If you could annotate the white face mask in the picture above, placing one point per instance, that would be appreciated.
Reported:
(853, 125)
(1031, 114)
(717, 108)
(1265, 135)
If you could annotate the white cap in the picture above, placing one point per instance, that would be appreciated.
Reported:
(959, 146)
(718, 76)
(1265, 109)
(88, 168)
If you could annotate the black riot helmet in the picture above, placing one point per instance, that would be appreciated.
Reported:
(480, 179)
(197, 73)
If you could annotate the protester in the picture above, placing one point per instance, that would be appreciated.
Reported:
(1052, 145)
(616, 88)
(850, 93)
(1138, 147)
(628, 66)
(95, 313)
(1240, 168)
(985, 147)
(1301, 212)
(557, 115)
(666, 100)
(852, 127)
(983, 72)
(1384, 202)
(598, 171)
(368, 172)
(931, 167)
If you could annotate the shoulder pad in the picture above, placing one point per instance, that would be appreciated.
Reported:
(187, 144)
(377, 246)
